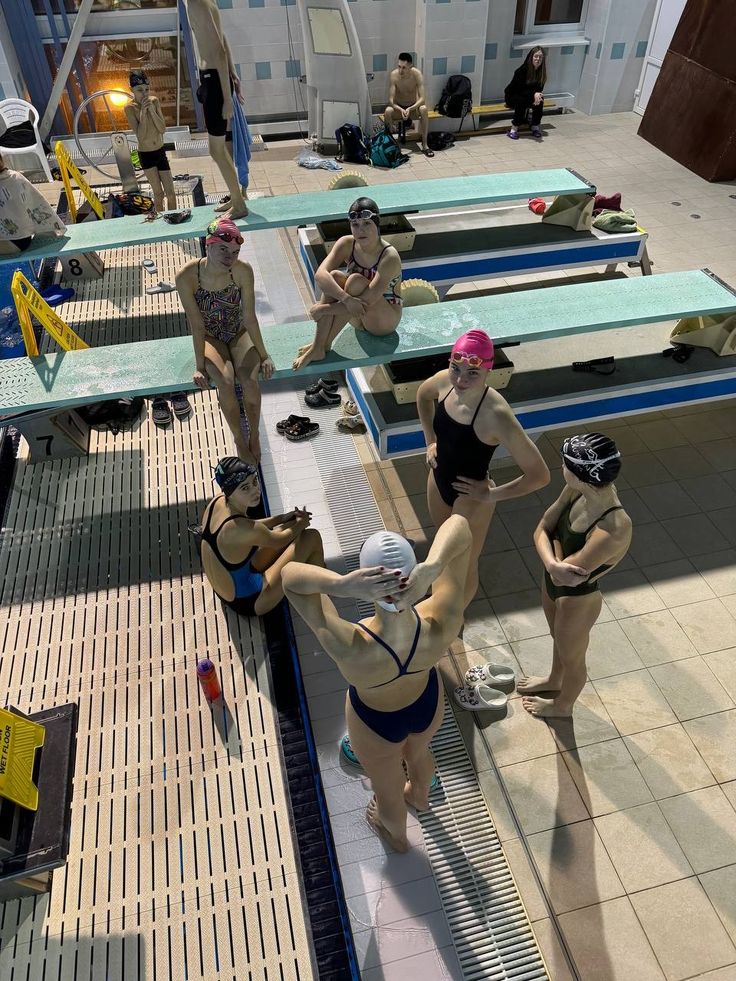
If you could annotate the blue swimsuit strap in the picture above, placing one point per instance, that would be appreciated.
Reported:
(402, 667)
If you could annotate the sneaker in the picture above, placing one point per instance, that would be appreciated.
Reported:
(537, 132)
(513, 134)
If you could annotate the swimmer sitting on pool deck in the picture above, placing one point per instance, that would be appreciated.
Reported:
(462, 432)
(244, 558)
(367, 294)
(582, 536)
(394, 704)
(218, 296)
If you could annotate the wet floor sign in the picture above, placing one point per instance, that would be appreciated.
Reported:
(19, 740)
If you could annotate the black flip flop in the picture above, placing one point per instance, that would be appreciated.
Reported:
(301, 430)
(322, 399)
(285, 424)
(323, 383)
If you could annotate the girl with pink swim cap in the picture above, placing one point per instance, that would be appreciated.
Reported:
(218, 296)
(464, 421)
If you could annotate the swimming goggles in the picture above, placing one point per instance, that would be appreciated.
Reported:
(365, 214)
(227, 237)
(472, 360)
(177, 217)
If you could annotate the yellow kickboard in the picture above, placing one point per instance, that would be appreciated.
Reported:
(28, 303)
(69, 169)
(19, 740)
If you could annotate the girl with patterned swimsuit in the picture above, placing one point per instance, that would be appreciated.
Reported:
(366, 294)
(218, 296)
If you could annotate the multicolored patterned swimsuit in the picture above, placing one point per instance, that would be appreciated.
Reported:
(369, 272)
(220, 309)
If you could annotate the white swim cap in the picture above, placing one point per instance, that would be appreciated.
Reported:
(390, 550)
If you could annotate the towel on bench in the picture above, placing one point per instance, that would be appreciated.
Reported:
(616, 221)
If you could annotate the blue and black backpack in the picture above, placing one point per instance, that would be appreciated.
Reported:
(386, 152)
(352, 146)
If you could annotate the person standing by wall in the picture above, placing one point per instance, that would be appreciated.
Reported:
(525, 92)
(147, 121)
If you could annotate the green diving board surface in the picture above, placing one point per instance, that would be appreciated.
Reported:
(288, 210)
(152, 367)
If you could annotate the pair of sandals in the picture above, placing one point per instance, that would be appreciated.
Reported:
(485, 688)
(297, 428)
(350, 421)
(322, 394)
(161, 413)
(162, 287)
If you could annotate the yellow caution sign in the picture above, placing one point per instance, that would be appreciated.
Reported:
(68, 170)
(19, 740)
(29, 303)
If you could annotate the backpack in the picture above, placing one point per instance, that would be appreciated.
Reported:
(352, 146)
(386, 152)
(114, 414)
(128, 203)
(456, 100)
(440, 141)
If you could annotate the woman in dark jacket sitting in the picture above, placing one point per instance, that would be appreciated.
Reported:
(524, 91)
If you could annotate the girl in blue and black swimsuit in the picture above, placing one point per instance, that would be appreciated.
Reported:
(243, 558)
(360, 281)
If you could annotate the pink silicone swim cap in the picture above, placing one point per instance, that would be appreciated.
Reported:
(223, 230)
(474, 344)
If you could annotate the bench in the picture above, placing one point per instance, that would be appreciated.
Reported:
(488, 109)
(462, 246)
(75, 378)
(288, 210)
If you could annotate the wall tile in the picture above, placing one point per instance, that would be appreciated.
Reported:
(515, 53)
(641, 48)
(439, 66)
(380, 62)
(567, 49)
(617, 50)
(2, 91)
(491, 51)
(256, 3)
(293, 68)
(441, 1)
(263, 70)
(225, 4)
(288, 3)
(467, 64)
(598, 48)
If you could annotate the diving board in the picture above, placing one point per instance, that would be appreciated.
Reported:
(287, 210)
(152, 367)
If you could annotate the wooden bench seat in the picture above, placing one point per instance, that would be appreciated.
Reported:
(167, 365)
(487, 109)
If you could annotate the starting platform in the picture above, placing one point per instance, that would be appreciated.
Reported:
(471, 245)
(289, 210)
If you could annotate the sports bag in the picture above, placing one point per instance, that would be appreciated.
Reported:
(352, 146)
(386, 152)
(456, 100)
(114, 414)
(440, 141)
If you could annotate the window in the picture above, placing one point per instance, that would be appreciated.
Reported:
(533, 16)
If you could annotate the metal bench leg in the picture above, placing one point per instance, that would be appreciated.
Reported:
(646, 265)
(611, 267)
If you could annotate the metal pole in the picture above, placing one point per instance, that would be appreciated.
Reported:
(178, 65)
(65, 67)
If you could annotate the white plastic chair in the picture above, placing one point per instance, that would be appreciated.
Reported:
(12, 112)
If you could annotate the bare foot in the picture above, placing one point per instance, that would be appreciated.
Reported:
(304, 349)
(222, 207)
(530, 686)
(236, 213)
(545, 708)
(308, 356)
(372, 817)
(415, 800)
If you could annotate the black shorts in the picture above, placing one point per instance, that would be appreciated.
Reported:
(210, 95)
(153, 158)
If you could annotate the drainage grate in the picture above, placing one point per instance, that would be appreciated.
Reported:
(200, 148)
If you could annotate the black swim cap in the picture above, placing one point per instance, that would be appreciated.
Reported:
(592, 458)
(370, 205)
(138, 78)
(230, 473)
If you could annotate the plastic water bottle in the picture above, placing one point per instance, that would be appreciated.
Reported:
(11, 336)
(207, 674)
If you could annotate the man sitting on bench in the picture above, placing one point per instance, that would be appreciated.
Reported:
(406, 98)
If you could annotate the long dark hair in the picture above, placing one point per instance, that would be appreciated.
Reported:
(536, 74)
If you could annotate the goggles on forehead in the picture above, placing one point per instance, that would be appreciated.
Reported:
(227, 237)
(472, 360)
(365, 214)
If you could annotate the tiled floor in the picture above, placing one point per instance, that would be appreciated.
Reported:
(628, 813)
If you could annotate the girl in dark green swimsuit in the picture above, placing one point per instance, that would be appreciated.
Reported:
(583, 535)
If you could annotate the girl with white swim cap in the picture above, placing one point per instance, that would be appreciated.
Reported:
(394, 703)
(580, 538)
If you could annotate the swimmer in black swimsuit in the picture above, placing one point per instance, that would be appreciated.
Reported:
(581, 537)
(462, 432)
(244, 558)
(394, 703)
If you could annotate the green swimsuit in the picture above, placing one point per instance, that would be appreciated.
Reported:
(570, 543)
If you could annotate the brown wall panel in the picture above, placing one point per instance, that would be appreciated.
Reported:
(707, 34)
